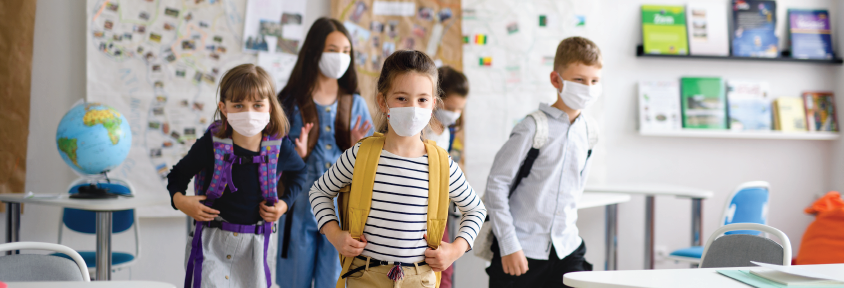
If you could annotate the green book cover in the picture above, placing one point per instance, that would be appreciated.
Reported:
(664, 29)
(704, 103)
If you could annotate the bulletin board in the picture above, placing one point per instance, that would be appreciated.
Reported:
(378, 28)
(17, 25)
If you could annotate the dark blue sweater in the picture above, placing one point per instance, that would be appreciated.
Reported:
(240, 207)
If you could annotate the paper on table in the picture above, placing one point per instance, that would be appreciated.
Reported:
(797, 270)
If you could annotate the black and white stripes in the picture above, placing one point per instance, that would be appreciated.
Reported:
(398, 216)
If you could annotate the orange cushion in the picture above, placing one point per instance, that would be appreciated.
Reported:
(823, 242)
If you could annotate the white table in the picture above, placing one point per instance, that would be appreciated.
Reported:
(97, 284)
(102, 207)
(652, 190)
(707, 277)
(611, 201)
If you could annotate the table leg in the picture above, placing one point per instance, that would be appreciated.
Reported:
(697, 221)
(611, 240)
(13, 225)
(103, 260)
(649, 232)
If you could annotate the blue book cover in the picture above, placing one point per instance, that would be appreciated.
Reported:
(810, 34)
(749, 105)
(754, 24)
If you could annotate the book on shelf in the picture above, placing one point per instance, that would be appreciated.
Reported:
(706, 24)
(754, 29)
(703, 103)
(820, 111)
(789, 115)
(664, 30)
(810, 34)
(749, 105)
(659, 106)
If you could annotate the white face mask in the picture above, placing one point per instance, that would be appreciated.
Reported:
(408, 121)
(248, 123)
(578, 96)
(446, 117)
(334, 64)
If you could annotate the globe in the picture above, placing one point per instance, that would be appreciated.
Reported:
(93, 138)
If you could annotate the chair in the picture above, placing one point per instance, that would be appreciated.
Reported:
(83, 221)
(747, 204)
(737, 250)
(34, 267)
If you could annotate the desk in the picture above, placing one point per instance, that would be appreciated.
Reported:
(611, 201)
(103, 208)
(706, 277)
(651, 190)
(97, 284)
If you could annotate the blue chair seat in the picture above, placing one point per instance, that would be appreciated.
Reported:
(691, 252)
(90, 257)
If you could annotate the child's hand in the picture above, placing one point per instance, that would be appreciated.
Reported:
(272, 213)
(191, 206)
(447, 253)
(343, 241)
(515, 264)
(302, 141)
(359, 131)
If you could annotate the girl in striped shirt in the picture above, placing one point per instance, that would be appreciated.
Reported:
(396, 227)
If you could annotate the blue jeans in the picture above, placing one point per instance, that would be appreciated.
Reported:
(310, 257)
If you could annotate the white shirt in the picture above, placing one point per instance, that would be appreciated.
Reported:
(543, 210)
(441, 139)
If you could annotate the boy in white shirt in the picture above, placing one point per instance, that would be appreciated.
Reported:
(536, 239)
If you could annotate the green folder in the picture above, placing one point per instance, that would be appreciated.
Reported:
(745, 277)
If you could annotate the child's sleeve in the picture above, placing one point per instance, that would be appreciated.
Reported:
(497, 196)
(294, 173)
(359, 108)
(464, 197)
(200, 155)
(328, 186)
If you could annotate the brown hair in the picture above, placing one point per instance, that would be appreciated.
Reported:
(453, 82)
(248, 80)
(576, 49)
(401, 62)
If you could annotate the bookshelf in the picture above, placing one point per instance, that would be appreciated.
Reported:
(785, 57)
(727, 134)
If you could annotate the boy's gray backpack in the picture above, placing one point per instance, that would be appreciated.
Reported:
(483, 243)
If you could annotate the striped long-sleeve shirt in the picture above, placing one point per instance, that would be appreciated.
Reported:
(398, 217)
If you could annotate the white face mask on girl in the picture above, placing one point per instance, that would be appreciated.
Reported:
(578, 96)
(334, 64)
(248, 123)
(446, 117)
(408, 121)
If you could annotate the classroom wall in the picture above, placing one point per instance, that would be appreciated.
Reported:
(797, 170)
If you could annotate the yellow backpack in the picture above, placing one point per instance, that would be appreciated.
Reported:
(355, 200)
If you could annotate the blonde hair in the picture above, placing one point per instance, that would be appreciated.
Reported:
(407, 61)
(248, 80)
(574, 50)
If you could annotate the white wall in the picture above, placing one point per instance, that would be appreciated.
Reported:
(797, 170)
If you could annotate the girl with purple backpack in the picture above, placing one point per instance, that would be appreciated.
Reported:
(238, 167)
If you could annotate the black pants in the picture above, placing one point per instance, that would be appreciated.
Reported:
(541, 273)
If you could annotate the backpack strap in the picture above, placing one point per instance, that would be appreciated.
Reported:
(270, 147)
(591, 134)
(539, 140)
(438, 178)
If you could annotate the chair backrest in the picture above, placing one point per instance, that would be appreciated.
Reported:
(36, 267)
(738, 250)
(86, 221)
(747, 204)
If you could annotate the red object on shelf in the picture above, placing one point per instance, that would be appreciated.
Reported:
(823, 242)
(3, 285)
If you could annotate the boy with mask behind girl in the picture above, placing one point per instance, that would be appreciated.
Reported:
(533, 218)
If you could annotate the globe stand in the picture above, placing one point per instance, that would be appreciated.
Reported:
(94, 191)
